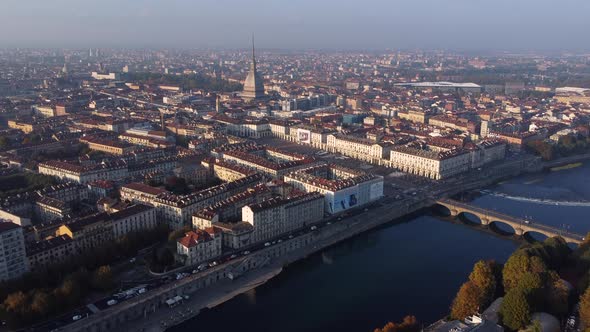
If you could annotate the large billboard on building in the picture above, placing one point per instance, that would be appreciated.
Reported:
(303, 136)
(344, 199)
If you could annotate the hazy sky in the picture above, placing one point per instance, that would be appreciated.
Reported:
(345, 24)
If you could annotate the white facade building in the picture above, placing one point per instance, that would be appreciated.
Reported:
(342, 188)
(277, 216)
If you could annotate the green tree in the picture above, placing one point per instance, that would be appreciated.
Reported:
(558, 251)
(467, 302)
(558, 299)
(515, 310)
(165, 257)
(533, 286)
(517, 265)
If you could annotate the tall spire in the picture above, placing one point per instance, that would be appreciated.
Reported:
(253, 54)
(253, 85)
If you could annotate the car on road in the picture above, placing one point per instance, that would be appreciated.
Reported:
(246, 253)
(77, 317)
(111, 302)
(202, 267)
(267, 244)
(233, 256)
(212, 264)
(313, 228)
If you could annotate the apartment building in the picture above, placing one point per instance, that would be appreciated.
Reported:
(228, 172)
(431, 164)
(13, 257)
(266, 160)
(135, 218)
(276, 216)
(359, 148)
(229, 210)
(50, 252)
(177, 210)
(83, 174)
(88, 232)
(108, 145)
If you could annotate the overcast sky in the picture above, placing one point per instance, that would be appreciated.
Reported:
(299, 24)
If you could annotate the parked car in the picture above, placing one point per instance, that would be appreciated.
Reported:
(111, 302)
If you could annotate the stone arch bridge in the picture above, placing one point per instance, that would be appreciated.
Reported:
(520, 226)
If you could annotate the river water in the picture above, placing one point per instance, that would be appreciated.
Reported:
(410, 267)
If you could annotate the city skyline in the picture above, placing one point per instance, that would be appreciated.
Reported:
(377, 165)
(375, 24)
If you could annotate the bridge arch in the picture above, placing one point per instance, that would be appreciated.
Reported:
(534, 236)
(470, 218)
(440, 209)
(502, 228)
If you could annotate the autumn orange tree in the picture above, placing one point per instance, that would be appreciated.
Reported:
(585, 309)
(477, 293)
(409, 324)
